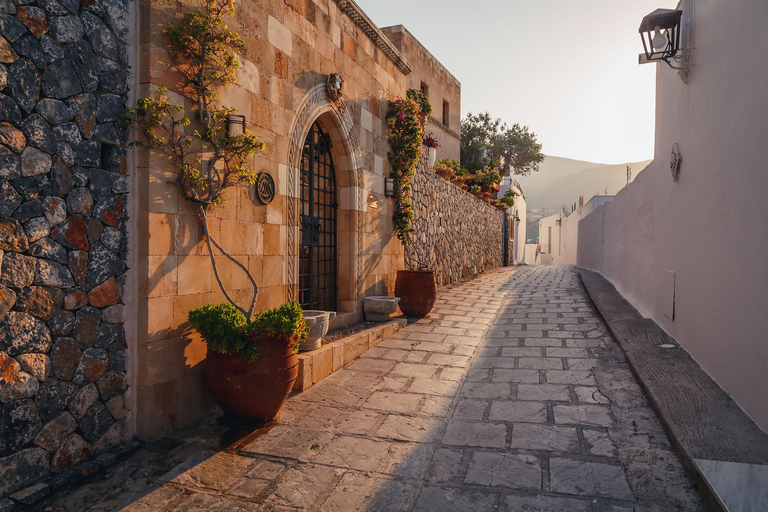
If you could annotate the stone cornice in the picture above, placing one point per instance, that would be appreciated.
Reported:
(356, 14)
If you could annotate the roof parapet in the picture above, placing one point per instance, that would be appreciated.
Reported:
(356, 14)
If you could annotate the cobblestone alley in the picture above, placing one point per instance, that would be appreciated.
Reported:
(511, 396)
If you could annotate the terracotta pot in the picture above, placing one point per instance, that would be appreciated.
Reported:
(256, 390)
(464, 187)
(478, 195)
(485, 189)
(486, 196)
(458, 183)
(417, 290)
(446, 175)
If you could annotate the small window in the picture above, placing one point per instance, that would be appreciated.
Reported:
(425, 89)
(446, 114)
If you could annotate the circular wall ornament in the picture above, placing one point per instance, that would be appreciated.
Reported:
(265, 187)
(675, 161)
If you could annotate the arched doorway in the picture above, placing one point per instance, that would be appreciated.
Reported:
(318, 208)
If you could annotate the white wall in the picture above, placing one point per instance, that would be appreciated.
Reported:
(565, 235)
(691, 227)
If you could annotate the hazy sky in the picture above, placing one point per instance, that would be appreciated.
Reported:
(566, 68)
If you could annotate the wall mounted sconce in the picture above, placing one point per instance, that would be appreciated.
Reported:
(389, 187)
(373, 202)
(558, 222)
(660, 33)
(517, 220)
(235, 125)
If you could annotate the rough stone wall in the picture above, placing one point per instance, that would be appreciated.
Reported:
(63, 187)
(460, 234)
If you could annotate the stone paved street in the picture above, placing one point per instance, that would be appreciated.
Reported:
(511, 396)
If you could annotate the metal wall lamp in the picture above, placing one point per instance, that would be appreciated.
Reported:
(517, 220)
(235, 125)
(660, 32)
(389, 187)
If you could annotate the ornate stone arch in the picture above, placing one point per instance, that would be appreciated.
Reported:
(337, 122)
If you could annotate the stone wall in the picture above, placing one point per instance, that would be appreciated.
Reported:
(460, 234)
(63, 249)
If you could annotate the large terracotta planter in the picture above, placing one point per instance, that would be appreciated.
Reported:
(446, 175)
(256, 390)
(478, 195)
(417, 290)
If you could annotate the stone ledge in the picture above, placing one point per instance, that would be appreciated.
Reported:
(316, 365)
(701, 420)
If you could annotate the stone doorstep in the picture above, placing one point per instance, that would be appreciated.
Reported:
(316, 365)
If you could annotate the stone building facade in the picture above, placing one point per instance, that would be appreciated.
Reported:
(440, 86)
(102, 258)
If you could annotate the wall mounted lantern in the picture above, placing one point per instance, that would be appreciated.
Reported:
(235, 125)
(558, 222)
(660, 32)
(389, 187)
(517, 220)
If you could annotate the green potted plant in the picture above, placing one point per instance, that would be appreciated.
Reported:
(251, 364)
(406, 119)
(443, 171)
(475, 191)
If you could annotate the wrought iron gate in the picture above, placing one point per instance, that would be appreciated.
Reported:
(317, 258)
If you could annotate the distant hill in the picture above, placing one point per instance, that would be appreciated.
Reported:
(560, 181)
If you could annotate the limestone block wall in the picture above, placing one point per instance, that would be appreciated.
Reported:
(63, 250)
(460, 234)
(292, 46)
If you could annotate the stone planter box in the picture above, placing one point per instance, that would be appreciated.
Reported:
(316, 365)
(378, 308)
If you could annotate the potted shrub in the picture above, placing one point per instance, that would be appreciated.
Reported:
(431, 143)
(443, 171)
(457, 180)
(252, 364)
(406, 119)
(475, 191)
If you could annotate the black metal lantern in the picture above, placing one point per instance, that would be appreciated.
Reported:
(660, 32)
(235, 125)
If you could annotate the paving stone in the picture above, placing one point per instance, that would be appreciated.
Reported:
(257, 479)
(304, 485)
(415, 370)
(409, 428)
(547, 504)
(388, 401)
(486, 390)
(439, 499)
(433, 387)
(360, 422)
(470, 409)
(576, 477)
(590, 394)
(521, 352)
(466, 433)
(599, 443)
(577, 377)
(546, 392)
(448, 360)
(281, 441)
(529, 436)
(504, 470)
(362, 492)
(543, 342)
(494, 362)
(540, 363)
(529, 412)
(517, 376)
(209, 470)
(566, 352)
(596, 415)
(349, 452)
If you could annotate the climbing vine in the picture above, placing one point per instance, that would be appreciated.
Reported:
(407, 118)
(208, 160)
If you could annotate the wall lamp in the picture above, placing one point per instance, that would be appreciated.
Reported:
(373, 202)
(235, 125)
(558, 222)
(660, 32)
(389, 187)
(517, 220)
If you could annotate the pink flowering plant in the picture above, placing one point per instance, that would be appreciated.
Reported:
(407, 120)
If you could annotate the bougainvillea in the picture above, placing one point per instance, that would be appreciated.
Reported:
(406, 119)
